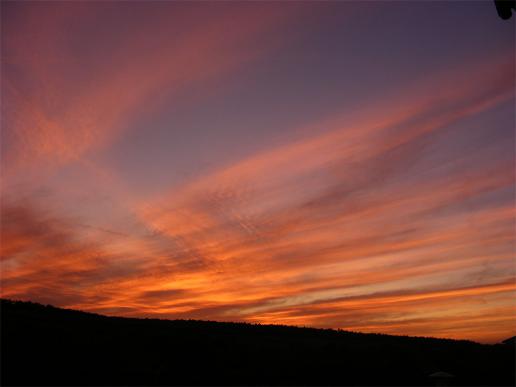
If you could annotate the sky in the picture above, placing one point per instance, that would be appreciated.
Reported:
(345, 165)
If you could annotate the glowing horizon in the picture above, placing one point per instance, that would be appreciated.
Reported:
(344, 165)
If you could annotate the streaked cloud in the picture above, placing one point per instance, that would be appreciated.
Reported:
(397, 217)
(58, 108)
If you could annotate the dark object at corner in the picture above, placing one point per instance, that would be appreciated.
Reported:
(504, 8)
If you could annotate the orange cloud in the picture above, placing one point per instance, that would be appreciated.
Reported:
(268, 228)
(351, 228)
(54, 114)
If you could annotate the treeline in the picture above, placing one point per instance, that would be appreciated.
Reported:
(44, 345)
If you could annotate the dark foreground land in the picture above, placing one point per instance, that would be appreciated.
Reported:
(43, 345)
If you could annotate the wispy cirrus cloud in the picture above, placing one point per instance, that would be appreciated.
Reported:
(60, 102)
(284, 222)
(396, 218)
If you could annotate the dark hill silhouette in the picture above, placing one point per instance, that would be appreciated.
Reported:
(510, 341)
(44, 345)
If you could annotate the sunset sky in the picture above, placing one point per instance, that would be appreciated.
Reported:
(330, 164)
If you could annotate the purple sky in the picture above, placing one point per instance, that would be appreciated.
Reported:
(334, 164)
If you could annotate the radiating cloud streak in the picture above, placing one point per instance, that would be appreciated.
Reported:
(46, 121)
(287, 214)
(396, 218)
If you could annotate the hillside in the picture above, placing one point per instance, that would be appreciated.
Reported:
(44, 345)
